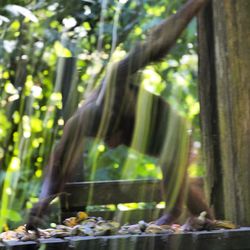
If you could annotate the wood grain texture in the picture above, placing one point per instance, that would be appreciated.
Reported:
(238, 239)
(111, 192)
(225, 112)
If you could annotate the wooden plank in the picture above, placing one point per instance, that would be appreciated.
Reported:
(85, 242)
(216, 240)
(81, 194)
(149, 242)
(238, 239)
(119, 242)
(210, 240)
(20, 245)
(180, 241)
(54, 244)
(124, 242)
(48, 244)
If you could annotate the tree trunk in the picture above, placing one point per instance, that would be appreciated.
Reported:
(224, 38)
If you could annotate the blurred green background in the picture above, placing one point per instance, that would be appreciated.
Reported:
(52, 54)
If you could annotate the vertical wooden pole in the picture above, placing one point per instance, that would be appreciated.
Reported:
(224, 75)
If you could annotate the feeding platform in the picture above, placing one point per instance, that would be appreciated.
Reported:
(237, 239)
(118, 192)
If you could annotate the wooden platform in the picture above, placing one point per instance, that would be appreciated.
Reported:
(214, 240)
(79, 195)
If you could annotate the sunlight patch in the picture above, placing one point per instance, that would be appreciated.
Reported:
(15, 164)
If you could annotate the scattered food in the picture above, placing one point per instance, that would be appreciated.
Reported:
(83, 225)
(155, 229)
(202, 223)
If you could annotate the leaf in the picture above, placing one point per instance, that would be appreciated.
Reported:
(14, 215)
(19, 10)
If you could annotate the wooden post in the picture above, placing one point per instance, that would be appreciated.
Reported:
(224, 36)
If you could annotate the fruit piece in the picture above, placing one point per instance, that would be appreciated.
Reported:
(30, 236)
(80, 216)
(70, 222)
(155, 229)
(224, 224)
(9, 235)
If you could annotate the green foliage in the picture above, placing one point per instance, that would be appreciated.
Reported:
(33, 90)
(119, 163)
